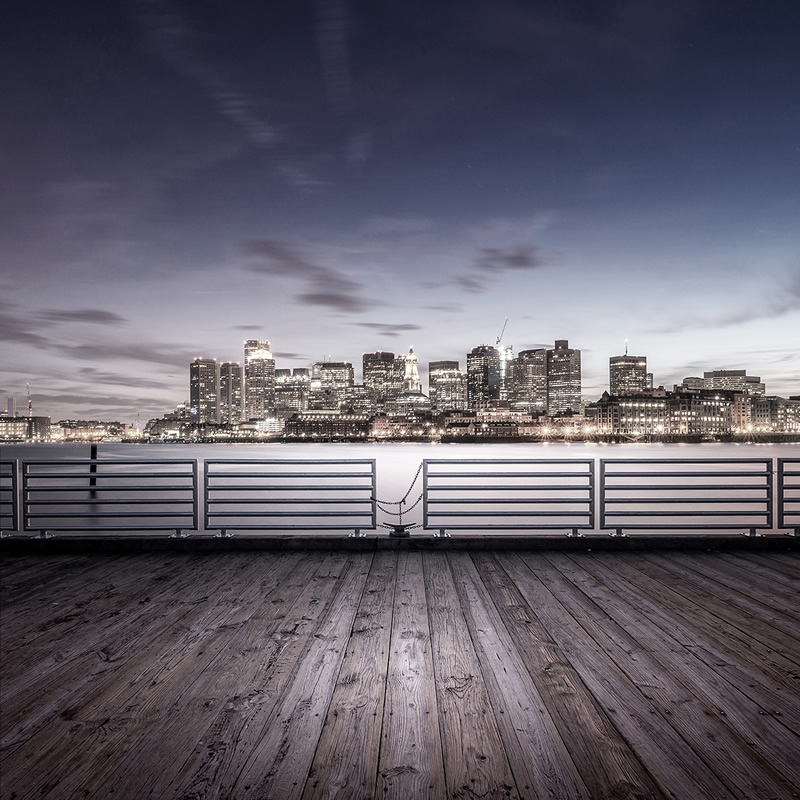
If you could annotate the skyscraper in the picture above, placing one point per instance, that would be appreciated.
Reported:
(378, 370)
(447, 386)
(204, 390)
(259, 379)
(627, 375)
(230, 393)
(483, 375)
(411, 381)
(528, 382)
(563, 378)
(330, 381)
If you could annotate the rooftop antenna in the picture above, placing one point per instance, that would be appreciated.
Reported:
(626, 347)
(30, 404)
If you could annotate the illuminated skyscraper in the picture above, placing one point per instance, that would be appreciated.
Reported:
(627, 375)
(230, 393)
(563, 378)
(447, 386)
(379, 378)
(411, 381)
(330, 381)
(483, 375)
(528, 382)
(259, 379)
(291, 391)
(204, 390)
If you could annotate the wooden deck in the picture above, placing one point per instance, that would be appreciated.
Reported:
(401, 674)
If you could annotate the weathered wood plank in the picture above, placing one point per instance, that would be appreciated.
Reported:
(126, 640)
(255, 679)
(746, 772)
(475, 762)
(410, 762)
(581, 721)
(584, 633)
(765, 603)
(723, 647)
(280, 761)
(113, 717)
(346, 761)
(539, 759)
(741, 703)
(767, 640)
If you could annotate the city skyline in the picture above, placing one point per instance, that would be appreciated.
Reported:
(340, 178)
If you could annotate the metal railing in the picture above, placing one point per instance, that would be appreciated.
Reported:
(789, 494)
(81, 497)
(685, 494)
(508, 494)
(9, 506)
(90, 495)
(283, 494)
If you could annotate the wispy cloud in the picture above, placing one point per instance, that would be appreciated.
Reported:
(177, 43)
(117, 379)
(782, 299)
(324, 286)
(92, 316)
(503, 259)
(387, 329)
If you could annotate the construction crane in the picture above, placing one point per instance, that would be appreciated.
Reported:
(500, 337)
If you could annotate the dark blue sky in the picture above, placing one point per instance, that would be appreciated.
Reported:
(341, 177)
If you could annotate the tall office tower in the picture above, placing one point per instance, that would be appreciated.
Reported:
(330, 381)
(563, 378)
(627, 375)
(528, 382)
(733, 380)
(505, 355)
(483, 375)
(447, 386)
(230, 393)
(259, 379)
(379, 378)
(204, 390)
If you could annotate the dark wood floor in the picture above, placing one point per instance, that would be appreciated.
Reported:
(401, 674)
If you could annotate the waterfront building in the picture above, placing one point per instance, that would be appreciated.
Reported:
(563, 378)
(528, 382)
(775, 415)
(631, 415)
(259, 379)
(204, 391)
(327, 425)
(628, 375)
(483, 376)
(230, 393)
(25, 429)
(447, 386)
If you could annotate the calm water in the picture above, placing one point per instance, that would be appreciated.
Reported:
(398, 463)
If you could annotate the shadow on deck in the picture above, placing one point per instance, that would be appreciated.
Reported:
(401, 671)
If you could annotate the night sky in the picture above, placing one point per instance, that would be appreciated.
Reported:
(341, 177)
